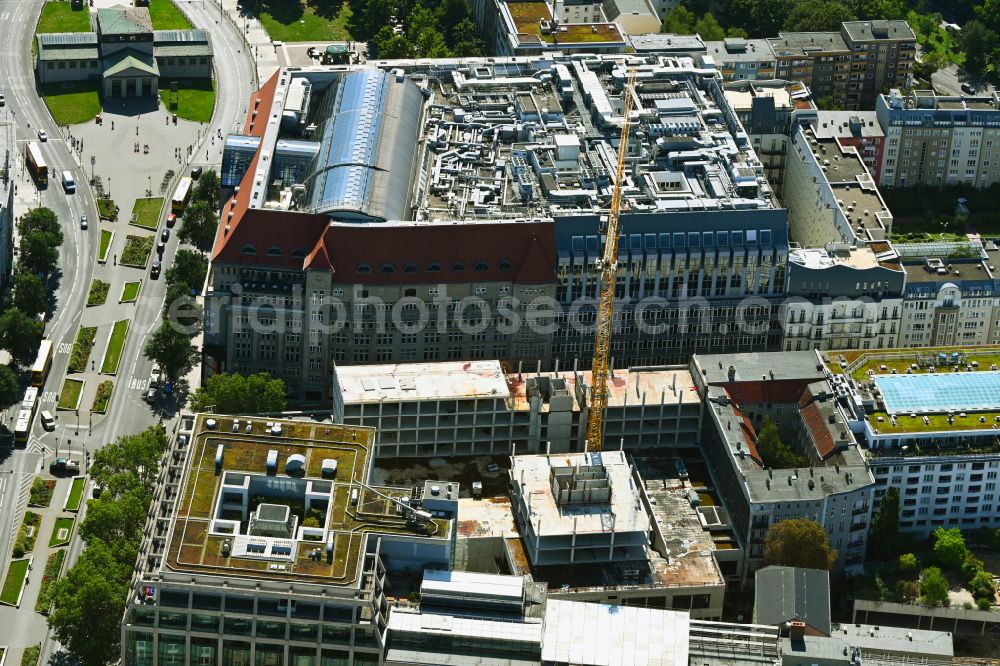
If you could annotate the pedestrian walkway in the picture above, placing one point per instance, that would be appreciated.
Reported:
(255, 38)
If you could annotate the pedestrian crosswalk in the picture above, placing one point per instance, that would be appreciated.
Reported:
(24, 489)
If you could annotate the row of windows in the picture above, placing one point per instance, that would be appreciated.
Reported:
(273, 251)
(434, 267)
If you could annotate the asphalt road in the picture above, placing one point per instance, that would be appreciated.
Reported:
(127, 414)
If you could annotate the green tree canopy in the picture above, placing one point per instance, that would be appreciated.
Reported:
(883, 536)
(679, 21)
(20, 334)
(240, 394)
(908, 562)
(189, 269)
(172, 349)
(389, 44)
(933, 587)
(773, 452)
(130, 461)
(206, 189)
(982, 585)
(978, 43)
(949, 547)
(29, 293)
(199, 225)
(708, 28)
(40, 238)
(10, 388)
(798, 543)
(818, 16)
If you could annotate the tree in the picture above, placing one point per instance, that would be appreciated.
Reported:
(181, 309)
(798, 542)
(239, 394)
(10, 388)
(907, 562)
(760, 18)
(869, 10)
(188, 269)
(87, 605)
(172, 349)
(709, 29)
(988, 11)
(39, 220)
(930, 63)
(826, 103)
(982, 585)
(131, 461)
(883, 536)
(949, 547)
(678, 21)
(465, 40)
(933, 587)
(199, 226)
(773, 452)
(29, 293)
(207, 189)
(818, 16)
(389, 44)
(37, 253)
(20, 334)
(977, 42)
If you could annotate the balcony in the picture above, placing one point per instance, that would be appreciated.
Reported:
(859, 526)
(859, 510)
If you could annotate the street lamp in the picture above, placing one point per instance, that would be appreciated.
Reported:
(149, 189)
(93, 161)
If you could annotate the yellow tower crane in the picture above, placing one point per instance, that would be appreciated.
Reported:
(608, 266)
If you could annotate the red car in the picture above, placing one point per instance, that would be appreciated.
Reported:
(171, 220)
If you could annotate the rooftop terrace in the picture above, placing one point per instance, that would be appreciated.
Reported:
(327, 551)
(528, 17)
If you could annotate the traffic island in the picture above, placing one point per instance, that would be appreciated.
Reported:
(103, 397)
(136, 251)
(69, 397)
(130, 292)
(41, 493)
(116, 343)
(98, 293)
(53, 567)
(104, 249)
(81, 348)
(13, 584)
(61, 532)
(75, 496)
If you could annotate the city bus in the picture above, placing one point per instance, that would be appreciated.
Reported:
(36, 163)
(40, 370)
(30, 401)
(181, 196)
(22, 427)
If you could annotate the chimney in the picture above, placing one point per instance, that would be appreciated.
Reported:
(796, 630)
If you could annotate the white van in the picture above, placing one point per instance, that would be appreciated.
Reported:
(68, 183)
(48, 421)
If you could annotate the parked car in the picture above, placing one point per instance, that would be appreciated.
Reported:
(154, 376)
(165, 235)
(171, 220)
(154, 270)
(3, 102)
(196, 173)
(968, 88)
(150, 395)
(160, 247)
(83, 222)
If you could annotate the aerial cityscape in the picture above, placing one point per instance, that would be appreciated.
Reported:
(499, 332)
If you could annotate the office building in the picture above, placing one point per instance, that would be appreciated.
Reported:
(930, 423)
(741, 392)
(266, 544)
(477, 408)
(937, 140)
(413, 239)
(536, 27)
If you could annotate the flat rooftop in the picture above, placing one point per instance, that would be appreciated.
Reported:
(528, 17)
(954, 271)
(197, 545)
(791, 96)
(858, 124)
(752, 366)
(625, 386)
(503, 139)
(896, 29)
(790, 44)
(860, 258)
(668, 43)
(405, 382)
(621, 513)
(740, 50)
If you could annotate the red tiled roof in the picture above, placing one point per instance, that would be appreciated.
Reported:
(813, 419)
(771, 390)
(264, 229)
(529, 247)
(749, 435)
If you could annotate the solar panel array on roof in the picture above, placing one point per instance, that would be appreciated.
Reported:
(68, 38)
(368, 131)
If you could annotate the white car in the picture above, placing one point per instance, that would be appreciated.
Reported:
(43, 135)
(83, 222)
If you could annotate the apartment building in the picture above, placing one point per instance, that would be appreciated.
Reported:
(251, 555)
(430, 232)
(479, 408)
(860, 129)
(740, 392)
(930, 424)
(740, 59)
(937, 140)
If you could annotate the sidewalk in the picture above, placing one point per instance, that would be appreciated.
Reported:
(256, 39)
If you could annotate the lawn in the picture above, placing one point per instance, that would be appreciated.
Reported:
(14, 581)
(115, 345)
(136, 251)
(75, 494)
(72, 102)
(102, 397)
(130, 292)
(98, 292)
(69, 397)
(41, 492)
(165, 16)
(61, 17)
(194, 100)
(929, 214)
(146, 212)
(30, 655)
(107, 209)
(82, 348)
(61, 532)
(291, 21)
(105, 246)
(51, 574)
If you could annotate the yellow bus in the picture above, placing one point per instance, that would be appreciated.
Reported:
(36, 163)
(40, 370)
(181, 196)
(22, 427)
